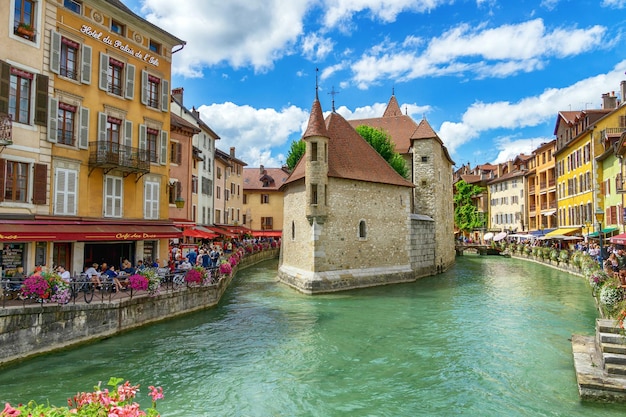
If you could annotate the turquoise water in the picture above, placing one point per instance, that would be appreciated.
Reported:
(488, 338)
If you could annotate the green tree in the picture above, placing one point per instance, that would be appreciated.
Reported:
(466, 214)
(381, 142)
(295, 153)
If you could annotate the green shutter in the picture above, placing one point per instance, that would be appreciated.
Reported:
(41, 100)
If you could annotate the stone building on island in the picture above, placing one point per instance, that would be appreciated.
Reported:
(348, 220)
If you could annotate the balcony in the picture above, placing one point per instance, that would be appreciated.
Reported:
(110, 156)
(6, 130)
(612, 132)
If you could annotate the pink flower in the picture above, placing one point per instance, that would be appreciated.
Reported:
(9, 411)
(155, 392)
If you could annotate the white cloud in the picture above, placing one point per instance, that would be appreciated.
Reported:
(615, 4)
(316, 47)
(495, 52)
(508, 147)
(481, 118)
(254, 132)
(271, 29)
(340, 11)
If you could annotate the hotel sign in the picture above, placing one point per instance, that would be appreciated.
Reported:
(116, 43)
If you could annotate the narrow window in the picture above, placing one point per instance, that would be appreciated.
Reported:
(153, 91)
(313, 151)
(362, 229)
(314, 194)
(151, 144)
(293, 230)
(69, 57)
(20, 95)
(117, 27)
(16, 181)
(67, 121)
(265, 198)
(114, 76)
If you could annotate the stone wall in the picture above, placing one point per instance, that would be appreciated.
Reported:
(34, 329)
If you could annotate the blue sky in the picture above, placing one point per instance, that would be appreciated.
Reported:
(489, 75)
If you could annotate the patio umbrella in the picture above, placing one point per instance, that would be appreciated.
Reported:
(499, 236)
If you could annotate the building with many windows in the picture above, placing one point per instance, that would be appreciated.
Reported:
(228, 194)
(263, 200)
(94, 109)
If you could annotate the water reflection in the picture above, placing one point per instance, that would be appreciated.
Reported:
(488, 338)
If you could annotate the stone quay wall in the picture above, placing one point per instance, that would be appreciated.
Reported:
(30, 330)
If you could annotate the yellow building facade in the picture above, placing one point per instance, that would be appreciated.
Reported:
(107, 133)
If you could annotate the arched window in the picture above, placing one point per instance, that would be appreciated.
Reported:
(362, 229)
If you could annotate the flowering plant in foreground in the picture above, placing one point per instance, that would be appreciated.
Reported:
(115, 403)
(195, 275)
(138, 282)
(226, 268)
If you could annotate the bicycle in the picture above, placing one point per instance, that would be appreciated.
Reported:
(82, 284)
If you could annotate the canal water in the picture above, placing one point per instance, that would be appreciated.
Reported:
(491, 337)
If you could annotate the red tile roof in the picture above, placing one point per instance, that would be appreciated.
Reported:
(256, 178)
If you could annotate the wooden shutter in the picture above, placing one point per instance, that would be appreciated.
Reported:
(151, 197)
(5, 76)
(55, 52)
(144, 88)
(104, 71)
(83, 128)
(53, 120)
(163, 156)
(165, 95)
(128, 134)
(41, 100)
(40, 183)
(129, 93)
(85, 70)
(102, 127)
(143, 141)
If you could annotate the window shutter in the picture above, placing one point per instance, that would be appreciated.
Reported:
(144, 88)
(165, 95)
(128, 134)
(104, 71)
(85, 71)
(83, 128)
(40, 183)
(41, 100)
(151, 200)
(179, 189)
(72, 182)
(179, 153)
(60, 182)
(142, 137)
(102, 127)
(163, 158)
(5, 74)
(53, 120)
(55, 52)
(130, 82)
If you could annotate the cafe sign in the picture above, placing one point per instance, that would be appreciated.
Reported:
(116, 43)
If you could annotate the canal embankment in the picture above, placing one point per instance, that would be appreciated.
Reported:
(28, 330)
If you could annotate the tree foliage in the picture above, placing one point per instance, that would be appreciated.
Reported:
(381, 142)
(466, 214)
(296, 151)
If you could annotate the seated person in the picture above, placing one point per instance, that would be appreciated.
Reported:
(93, 275)
(110, 275)
(140, 265)
(185, 265)
(15, 282)
(65, 274)
(127, 267)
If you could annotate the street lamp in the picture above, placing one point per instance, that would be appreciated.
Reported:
(587, 226)
(599, 218)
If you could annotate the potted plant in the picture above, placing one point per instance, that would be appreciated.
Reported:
(25, 30)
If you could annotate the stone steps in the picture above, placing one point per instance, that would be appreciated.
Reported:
(612, 344)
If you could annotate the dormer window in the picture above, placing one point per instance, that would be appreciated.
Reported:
(155, 47)
(72, 5)
(117, 27)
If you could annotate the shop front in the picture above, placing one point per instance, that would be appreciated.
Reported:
(76, 244)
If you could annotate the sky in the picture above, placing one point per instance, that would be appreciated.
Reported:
(490, 76)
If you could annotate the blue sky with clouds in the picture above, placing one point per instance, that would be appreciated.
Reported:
(488, 75)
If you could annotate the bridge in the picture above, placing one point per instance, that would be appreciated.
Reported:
(481, 249)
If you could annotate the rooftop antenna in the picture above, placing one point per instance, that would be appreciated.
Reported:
(393, 91)
(333, 93)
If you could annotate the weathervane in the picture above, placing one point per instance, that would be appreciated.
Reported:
(333, 93)
(316, 84)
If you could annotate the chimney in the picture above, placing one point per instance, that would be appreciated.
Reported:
(178, 94)
(609, 101)
(232, 151)
(623, 91)
(262, 169)
(195, 112)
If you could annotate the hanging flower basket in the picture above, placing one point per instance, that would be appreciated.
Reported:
(180, 203)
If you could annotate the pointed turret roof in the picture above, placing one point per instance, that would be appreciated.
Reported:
(349, 155)
(393, 108)
(316, 126)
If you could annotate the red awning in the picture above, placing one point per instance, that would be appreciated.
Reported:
(233, 231)
(201, 232)
(33, 231)
(267, 233)
(618, 239)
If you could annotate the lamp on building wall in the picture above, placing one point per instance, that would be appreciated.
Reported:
(587, 225)
(599, 218)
